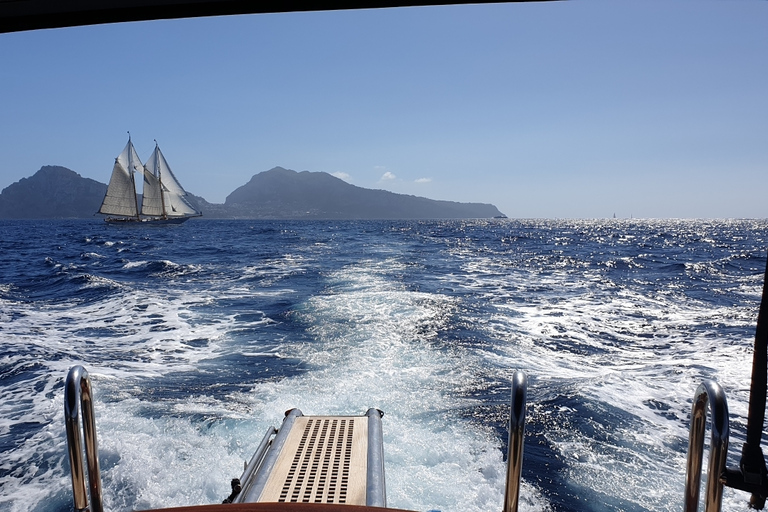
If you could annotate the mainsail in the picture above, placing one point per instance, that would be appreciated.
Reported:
(152, 200)
(121, 192)
(163, 194)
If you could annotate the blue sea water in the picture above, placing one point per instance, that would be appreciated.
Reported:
(198, 337)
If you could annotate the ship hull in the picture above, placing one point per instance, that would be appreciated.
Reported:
(117, 221)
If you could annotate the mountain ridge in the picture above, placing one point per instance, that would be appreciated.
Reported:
(53, 192)
(320, 195)
(279, 193)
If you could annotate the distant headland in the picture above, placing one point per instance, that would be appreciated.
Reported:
(56, 192)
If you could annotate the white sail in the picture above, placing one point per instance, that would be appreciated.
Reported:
(121, 193)
(152, 200)
(174, 200)
(129, 159)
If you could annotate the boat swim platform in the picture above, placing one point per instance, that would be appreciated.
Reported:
(277, 507)
(318, 459)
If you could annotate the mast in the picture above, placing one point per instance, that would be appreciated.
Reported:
(160, 181)
(152, 205)
(135, 197)
(131, 170)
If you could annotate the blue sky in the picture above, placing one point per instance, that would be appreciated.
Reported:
(576, 109)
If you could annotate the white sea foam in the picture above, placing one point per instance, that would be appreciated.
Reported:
(644, 350)
(273, 270)
(136, 334)
(371, 345)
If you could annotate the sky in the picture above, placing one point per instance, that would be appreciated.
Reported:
(578, 109)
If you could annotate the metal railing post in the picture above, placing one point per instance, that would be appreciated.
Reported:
(708, 393)
(516, 438)
(77, 397)
(376, 489)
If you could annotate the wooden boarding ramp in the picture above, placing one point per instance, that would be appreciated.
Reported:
(318, 459)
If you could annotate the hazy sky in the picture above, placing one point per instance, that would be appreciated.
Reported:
(563, 109)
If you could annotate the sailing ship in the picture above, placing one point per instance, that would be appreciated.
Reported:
(163, 199)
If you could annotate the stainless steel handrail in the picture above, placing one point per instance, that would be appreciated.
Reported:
(376, 489)
(253, 488)
(246, 480)
(708, 393)
(77, 391)
(516, 438)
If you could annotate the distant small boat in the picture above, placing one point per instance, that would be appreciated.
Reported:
(163, 199)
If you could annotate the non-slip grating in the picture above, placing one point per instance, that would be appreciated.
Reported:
(324, 460)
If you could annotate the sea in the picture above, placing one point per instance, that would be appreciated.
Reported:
(199, 337)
